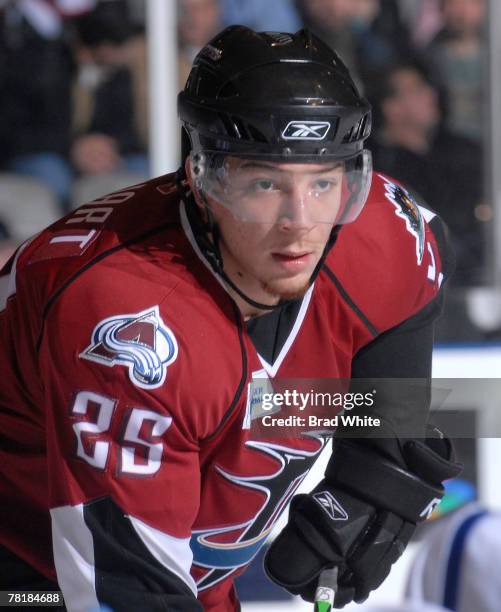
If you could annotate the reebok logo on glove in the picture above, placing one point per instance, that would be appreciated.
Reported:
(330, 504)
(428, 511)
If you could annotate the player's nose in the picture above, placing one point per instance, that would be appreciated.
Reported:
(295, 213)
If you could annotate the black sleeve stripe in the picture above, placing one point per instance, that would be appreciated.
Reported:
(97, 259)
(227, 414)
(127, 576)
(400, 363)
(404, 351)
(372, 329)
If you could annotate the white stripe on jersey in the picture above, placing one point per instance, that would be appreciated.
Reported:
(173, 553)
(73, 548)
(272, 369)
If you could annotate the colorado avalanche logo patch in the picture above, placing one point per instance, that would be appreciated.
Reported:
(142, 342)
(408, 210)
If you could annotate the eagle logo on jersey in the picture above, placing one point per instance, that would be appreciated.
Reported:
(142, 342)
(408, 210)
(220, 551)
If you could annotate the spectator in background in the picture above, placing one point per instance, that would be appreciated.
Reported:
(137, 12)
(458, 55)
(262, 15)
(37, 71)
(4, 102)
(331, 21)
(414, 146)
(423, 18)
(198, 22)
(110, 98)
(368, 34)
(382, 38)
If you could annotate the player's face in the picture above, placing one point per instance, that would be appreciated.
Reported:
(275, 233)
(258, 191)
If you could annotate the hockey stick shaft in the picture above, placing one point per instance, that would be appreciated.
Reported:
(326, 590)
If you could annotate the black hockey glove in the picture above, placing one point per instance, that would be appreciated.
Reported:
(361, 516)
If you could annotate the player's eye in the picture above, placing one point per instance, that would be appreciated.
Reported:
(323, 185)
(263, 186)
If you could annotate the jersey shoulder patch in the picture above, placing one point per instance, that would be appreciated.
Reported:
(388, 261)
(407, 209)
(140, 341)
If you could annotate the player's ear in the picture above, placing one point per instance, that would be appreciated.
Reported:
(188, 172)
(191, 182)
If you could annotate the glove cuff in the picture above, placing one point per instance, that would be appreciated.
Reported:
(432, 459)
(366, 474)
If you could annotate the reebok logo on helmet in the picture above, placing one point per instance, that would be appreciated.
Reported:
(306, 130)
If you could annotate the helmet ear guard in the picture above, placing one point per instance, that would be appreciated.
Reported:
(197, 162)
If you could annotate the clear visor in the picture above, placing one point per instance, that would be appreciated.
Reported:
(263, 190)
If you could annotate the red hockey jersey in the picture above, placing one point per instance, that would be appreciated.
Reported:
(125, 401)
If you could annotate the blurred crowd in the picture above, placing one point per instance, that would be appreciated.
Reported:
(73, 109)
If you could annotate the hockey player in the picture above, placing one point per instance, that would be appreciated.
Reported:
(131, 329)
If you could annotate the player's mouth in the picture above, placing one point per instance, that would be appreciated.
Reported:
(293, 260)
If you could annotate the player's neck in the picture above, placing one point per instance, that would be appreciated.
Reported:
(248, 310)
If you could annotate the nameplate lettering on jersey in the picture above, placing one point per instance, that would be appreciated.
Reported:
(66, 240)
(66, 243)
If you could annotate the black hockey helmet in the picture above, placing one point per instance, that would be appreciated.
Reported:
(274, 96)
(269, 93)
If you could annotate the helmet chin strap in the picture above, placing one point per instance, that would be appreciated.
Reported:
(210, 248)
